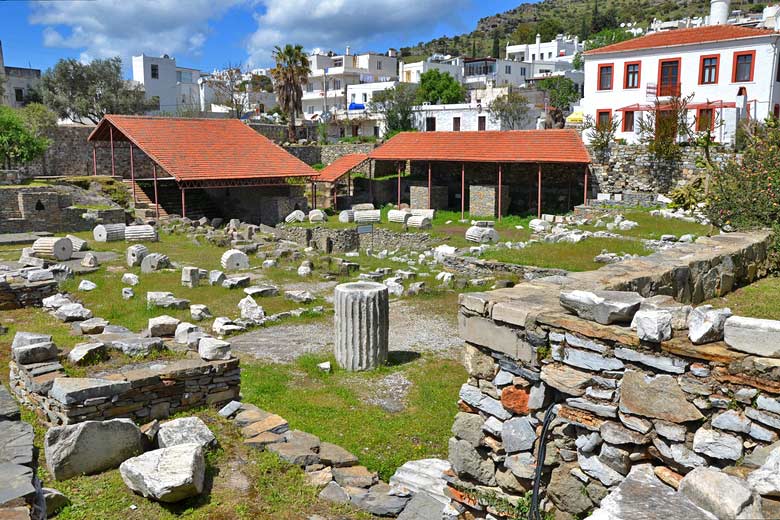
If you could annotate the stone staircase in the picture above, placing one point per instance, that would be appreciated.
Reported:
(144, 204)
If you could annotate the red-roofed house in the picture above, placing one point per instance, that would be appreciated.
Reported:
(733, 72)
(222, 166)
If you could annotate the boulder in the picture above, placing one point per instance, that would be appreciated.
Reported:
(654, 326)
(35, 353)
(724, 496)
(199, 312)
(185, 430)
(766, 479)
(716, 444)
(86, 286)
(603, 307)
(467, 462)
(92, 326)
(168, 474)
(250, 310)
(163, 326)
(86, 353)
(90, 447)
(706, 324)
(212, 349)
(55, 501)
(752, 335)
(90, 261)
(659, 397)
(72, 312)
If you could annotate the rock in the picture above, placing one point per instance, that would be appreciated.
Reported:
(55, 501)
(185, 430)
(334, 493)
(566, 491)
(354, 476)
(233, 260)
(361, 325)
(135, 255)
(590, 360)
(9, 410)
(477, 363)
(261, 291)
(250, 310)
(678, 455)
(69, 390)
(230, 409)
(668, 476)
(127, 293)
(72, 312)
(86, 285)
(706, 324)
(90, 447)
(614, 433)
(336, 456)
(717, 444)
(766, 479)
(35, 353)
(212, 349)
(294, 453)
(92, 325)
(163, 326)
(663, 363)
(319, 478)
(325, 367)
(421, 507)
(468, 426)
(733, 421)
(635, 423)
(679, 311)
(154, 262)
(188, 334)
(603, 307)
(754, 336)
(16, 484)
(136, 346)
(86, 353)
(602, 410)
(190, 277)
(653, 326)
(566, 379)
(299, 296)
(518, 435)
(593, 466)
(669, 430)
(199, 312)
(659, 397)
(424, 476)
(216, 277)
(380, 502)
(165, 300)
(615, 458)
(723, 495)
(168, 474)
(17, 442)
(89, 260)
(642, 495)
(467, 462)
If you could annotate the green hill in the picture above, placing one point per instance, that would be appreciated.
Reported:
(551, 17)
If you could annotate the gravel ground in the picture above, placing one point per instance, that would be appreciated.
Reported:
(413, 328)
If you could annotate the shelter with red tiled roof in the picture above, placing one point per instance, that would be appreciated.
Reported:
(218, 158)
(723, 73)
(333, 175)
(523, 170)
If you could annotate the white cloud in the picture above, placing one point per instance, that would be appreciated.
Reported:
(126, 27)
(333, 24)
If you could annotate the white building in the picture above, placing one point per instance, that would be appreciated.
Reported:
(732, 72)
(176, 88)
(326, 88)
(464, 117)
(482, 72)
(562, 48)
(411, 72)
(17, 82)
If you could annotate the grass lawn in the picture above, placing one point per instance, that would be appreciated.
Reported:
(651, 227)
(757, 300)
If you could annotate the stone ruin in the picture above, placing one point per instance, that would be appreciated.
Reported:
(677, 417)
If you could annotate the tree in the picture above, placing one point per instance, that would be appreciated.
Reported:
(524, 33)
(79, 92)
(38, 119)
(260, 83)
(600, 133)
(607, 37)
(496, 45)
(577, 63)
(511, 110)
(290, 74)
(561, 93)
(549, 28)
(438, 87)
(396, 105)
(18, 143)
(664, 125)
(230, 89)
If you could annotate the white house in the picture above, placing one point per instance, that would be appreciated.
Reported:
(17, 82)
(411, 72)
(482, 72)
(326, 88)
(176, 88)
(562, 48)
(731, 72)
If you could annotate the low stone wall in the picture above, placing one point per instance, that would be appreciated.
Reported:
(418, 197)
(326, 154)
(483, 200)
(621, 401)
(631, 168)
(16, 294)
(475, 266)
(344, 240)
(151, 392)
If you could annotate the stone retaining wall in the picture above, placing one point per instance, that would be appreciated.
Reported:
(621, 401)
(475, 266)
(344, 240)
(153, 392)
(21, 293)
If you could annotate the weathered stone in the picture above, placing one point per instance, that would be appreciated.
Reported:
(642, 495)
(588, 443)
(212, 349)
(166, 300)
(477, 363)
(35, 353)
(190, 276)
(590, 360)
(334, 493)
(299, 296)
(9, 410)
(261, 291)
(55, 501)
(724, 496)
(362, 325)
(86, 286)
(199, 312)
(600, 409)
(593, 466)
(16, 483)
(653, 325)
(752, 335)
(717, 444)
(90, 447)
(679, 311)
(163, 326)
(766, 479)
(705, 324)
(635, 423)
(670, 430)
(319, 478)
(69, 390)
(467, 462)
(230, 409)
(336, 456)
(678, 455)
(130, 279)
(614, 433)
(517, 434)
(603, 307)
(667, 476)
(72, 312)
(168, 474)
(663, 363)
(733, 421)
(86, 353)
(216, 277)
(16, 442)
(185, 430)
(294, 453)
(766, 418)
(250, 310)
(659, 397)
(422, 506)
(154, 262)
(135, 346)
(354, 476)
(270, 423)
(468, 426)
(233, 260)
(516, 399)
(616, 458)
(522, 465)
(565, 379)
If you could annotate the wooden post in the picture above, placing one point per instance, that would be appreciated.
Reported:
(500, 180)
(585, 191)
(539, 193)
(111, 138)
(183, 206)
(156, 202)
(132, 173)
(429, 185)
(399, 185)
(462, 191)
(94, 160)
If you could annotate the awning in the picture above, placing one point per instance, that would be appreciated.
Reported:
(713, 104)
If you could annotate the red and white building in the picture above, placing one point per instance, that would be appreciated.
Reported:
(733, 72)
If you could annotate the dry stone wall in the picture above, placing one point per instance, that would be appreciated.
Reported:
(620, 402)
(344, 240)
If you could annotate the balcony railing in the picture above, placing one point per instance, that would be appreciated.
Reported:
(668, 89)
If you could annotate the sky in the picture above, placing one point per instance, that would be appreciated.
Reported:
(210, 34)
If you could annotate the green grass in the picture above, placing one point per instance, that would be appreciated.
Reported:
(757, 300)
(332, 406)
(571, 257)
(651, 227)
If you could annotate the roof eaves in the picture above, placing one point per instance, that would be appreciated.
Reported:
(605, 50)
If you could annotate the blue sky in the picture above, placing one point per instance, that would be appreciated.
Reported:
(208, 34)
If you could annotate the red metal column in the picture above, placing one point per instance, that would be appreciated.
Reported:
(429, 185)
(335, 193)
(585, 193)
(132, 172)
(539, 193)
(399, 185)
(111, 137)
(183, 206)
(94, 160)
(314, 195)
(500, 180)
(156, 203)
(462, 191)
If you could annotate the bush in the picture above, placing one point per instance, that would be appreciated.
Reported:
(359, 139)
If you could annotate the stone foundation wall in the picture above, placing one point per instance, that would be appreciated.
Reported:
(483, 200)
(326, 154)
(418, 197)
(140, 394)
(21, 293)
(477, 267)
(620, 401)
(343, 240)
(631, 168)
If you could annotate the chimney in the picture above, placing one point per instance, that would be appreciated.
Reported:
(719, 12)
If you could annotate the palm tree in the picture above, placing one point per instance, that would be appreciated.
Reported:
(290, 74)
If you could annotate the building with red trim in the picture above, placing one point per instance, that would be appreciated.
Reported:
(732, 73)
(205, 167)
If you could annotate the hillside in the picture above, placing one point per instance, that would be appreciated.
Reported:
(550, 17)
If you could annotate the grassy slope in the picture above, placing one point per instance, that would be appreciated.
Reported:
(757, 300)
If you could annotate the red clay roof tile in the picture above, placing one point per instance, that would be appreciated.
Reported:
(340, 167)
(205, 149)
